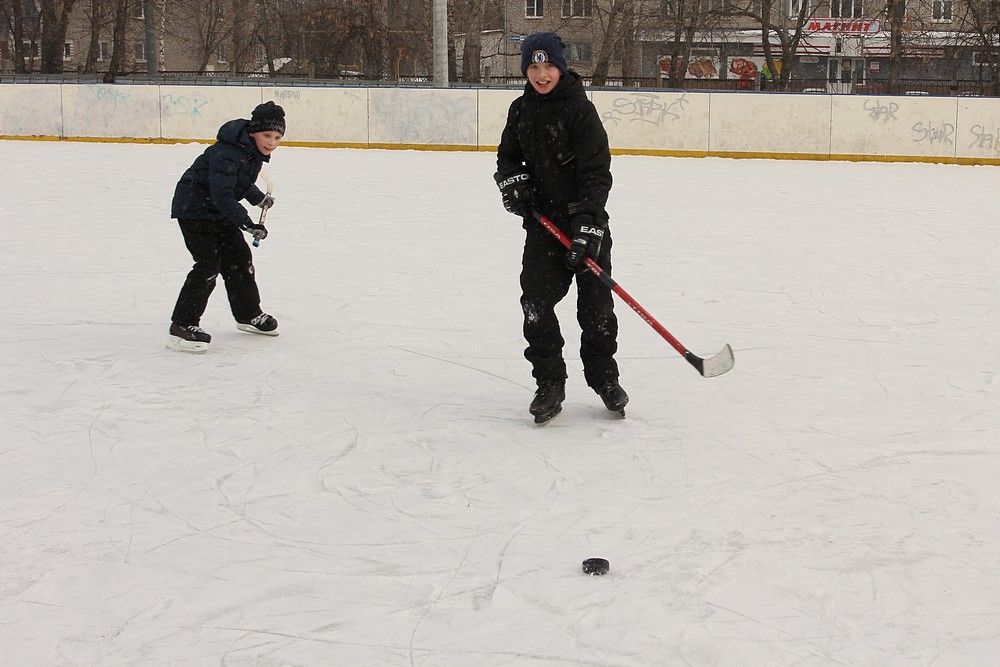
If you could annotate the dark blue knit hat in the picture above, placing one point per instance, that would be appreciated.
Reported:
(543, 47)
(267, 116)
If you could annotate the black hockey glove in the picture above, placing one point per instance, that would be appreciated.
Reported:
(517, 192)
(259, 231)
(266, 202)
(587, 234)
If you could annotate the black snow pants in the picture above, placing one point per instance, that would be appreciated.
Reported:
(545, 280)
(217, 247)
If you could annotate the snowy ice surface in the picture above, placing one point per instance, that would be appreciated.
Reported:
(368, 488)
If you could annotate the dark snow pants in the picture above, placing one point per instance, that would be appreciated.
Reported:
(218, 248)
(545, 280)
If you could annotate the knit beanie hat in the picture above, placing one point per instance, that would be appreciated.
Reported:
(543, 47)
(267, 116)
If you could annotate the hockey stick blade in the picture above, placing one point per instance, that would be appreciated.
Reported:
(709, 368)
(714, 366)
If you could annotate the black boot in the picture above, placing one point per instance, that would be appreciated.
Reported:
(261, 324)
(188, 338)
(614, 397)
(548, 399)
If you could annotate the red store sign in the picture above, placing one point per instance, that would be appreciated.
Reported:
(844, 26)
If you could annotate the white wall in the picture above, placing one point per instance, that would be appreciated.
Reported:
(667, 123)
(422, 117)
(32, 109)
(647, 121)
(892, 125)
(110, 111)
(770, 123)
(196, 112)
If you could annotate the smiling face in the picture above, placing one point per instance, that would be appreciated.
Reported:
(543, 77)
(266, 141)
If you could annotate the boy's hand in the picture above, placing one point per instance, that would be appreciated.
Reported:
(588, 233)
(517, 192)
(267, 202)
(259, 231)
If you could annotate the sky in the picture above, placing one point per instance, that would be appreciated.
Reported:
(368, 487)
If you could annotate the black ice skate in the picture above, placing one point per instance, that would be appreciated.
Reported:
(614, 397)
(548, 400)
(188, 339)
(262, 324)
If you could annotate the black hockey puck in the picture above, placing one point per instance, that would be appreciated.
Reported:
(596, 566)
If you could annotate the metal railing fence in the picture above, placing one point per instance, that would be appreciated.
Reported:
(933, 87)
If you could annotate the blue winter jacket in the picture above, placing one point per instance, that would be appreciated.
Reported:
(212, 187)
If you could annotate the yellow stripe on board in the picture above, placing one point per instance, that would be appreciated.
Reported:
(749, 155)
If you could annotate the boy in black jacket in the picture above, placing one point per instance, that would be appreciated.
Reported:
(554, 158)
(207, 207)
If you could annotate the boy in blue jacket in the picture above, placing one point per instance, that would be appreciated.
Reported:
(207, 207)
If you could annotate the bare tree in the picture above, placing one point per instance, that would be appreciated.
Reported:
(895, 14)
(685, 19)
(278, 30)
(95, 14)
(982, 20)
(374, 47)
(118, 33)
(616, 24)
(149, 23)
(204, 25)
(469, 19)
(777, 19)
(55, 21)
(975, 27)
(20, 20)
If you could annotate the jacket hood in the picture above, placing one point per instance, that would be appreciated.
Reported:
(570, 85)
(235, 132)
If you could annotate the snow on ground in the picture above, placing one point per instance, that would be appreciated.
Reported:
(368, 488)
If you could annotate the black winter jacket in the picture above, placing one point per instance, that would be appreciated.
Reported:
(559, 139)
(212, 187)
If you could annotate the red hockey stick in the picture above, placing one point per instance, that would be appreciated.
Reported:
(715, 365)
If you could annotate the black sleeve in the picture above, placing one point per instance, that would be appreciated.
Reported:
(593, 169)
(254, 195)
(509, 157)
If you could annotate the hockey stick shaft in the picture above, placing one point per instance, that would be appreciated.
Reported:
(263, 217)
(716, 365)
(269, 184)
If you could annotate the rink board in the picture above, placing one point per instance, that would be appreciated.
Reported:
(680, 123)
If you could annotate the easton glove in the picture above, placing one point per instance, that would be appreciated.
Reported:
(517, 192)
(266, 202)
(259, 231)
(588, 233)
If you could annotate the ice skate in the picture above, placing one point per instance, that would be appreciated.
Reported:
(548, 400)
(614, 397)
(262, 324)
(188, 339)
